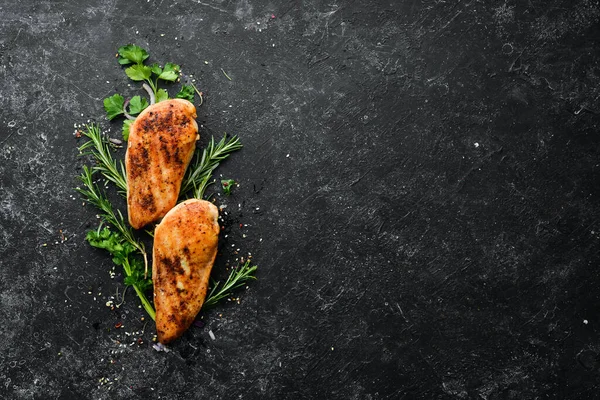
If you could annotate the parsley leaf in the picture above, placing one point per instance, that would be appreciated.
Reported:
(120, 249)
(132, 54)
(156, 69)
(111, 241)
(161, 94)
(186, 92)
(103, 239)
(113, 106)
(139, 72)
(126, 124)
(137, 104)
(137, 276)
(170, 72)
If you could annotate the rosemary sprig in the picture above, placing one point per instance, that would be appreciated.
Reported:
(96, 197)
(238, 277)
(199, 175)
(99, 148)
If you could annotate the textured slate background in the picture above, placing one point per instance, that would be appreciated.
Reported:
(423, 176)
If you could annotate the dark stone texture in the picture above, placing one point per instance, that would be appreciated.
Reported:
(419, 183)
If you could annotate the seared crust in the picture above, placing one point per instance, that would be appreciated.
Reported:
(185, 247)
(162, 140)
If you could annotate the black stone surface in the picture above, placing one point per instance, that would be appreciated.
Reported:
(419, 186)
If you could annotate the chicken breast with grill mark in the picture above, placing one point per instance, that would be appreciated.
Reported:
(185, 247)
(162, 140)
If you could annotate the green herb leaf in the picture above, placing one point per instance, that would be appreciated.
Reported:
(136, 277)
(161, 94)
(139, 72)
(186, 92)
(113, 106)
(170, 72)
(126, 124)
(111, 241)
(104, 239)
(156, 69)
(132, 54)
(227, 184)
(137, 104)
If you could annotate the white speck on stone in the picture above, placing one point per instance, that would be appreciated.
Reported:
(476, 144)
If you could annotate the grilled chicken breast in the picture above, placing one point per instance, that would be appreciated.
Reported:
(162, 140)
(185, 247)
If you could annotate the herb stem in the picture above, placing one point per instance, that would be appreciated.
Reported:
(145, 266)
(225, 73)
(198, 92)
(145, 303)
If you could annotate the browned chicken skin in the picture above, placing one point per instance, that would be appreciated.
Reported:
(185, 247)
(162, 140)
